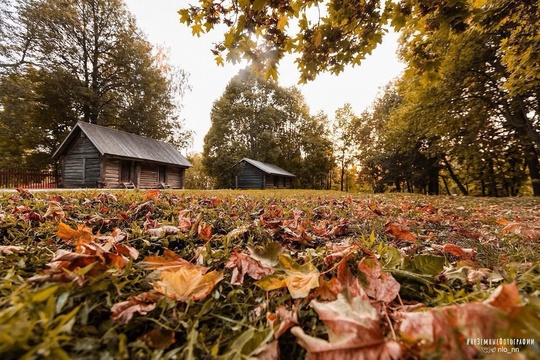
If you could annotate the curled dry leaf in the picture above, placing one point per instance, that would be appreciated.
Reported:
(187, 283)
(399, 232)
(163, 230)
(353, 332)
(55, 211)
(10, 249)
(523, 229)
(456, 250)
(282, 320)
(123, 312)
(243, 264)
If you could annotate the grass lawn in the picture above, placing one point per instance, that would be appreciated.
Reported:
(267, 274)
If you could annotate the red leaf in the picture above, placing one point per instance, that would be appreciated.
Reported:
(244, 264)
(205, 231)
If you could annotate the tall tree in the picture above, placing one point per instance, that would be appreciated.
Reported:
(343, 135)
(88, 61)
(259, 119)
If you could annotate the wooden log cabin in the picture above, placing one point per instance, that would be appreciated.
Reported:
(96, 156)
(253, 174)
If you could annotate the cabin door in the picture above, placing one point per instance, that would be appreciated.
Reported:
(125, 172)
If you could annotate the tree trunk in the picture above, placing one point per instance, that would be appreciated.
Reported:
(454, 177)
(534, 169)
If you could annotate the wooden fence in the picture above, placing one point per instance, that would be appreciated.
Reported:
(28, 179)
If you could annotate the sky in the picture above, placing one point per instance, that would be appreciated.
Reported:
(358, 86)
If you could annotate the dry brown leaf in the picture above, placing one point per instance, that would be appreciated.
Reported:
(382, 285)
(187, 283)
(10, 249)
(282, 320)
(123, 312)
(444, 329)
(463, 253)
(243, 264)
(55, 211)
(353, 332)
(163, 230)
(523, 229)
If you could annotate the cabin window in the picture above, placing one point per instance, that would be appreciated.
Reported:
(125, 175)
(162, 172)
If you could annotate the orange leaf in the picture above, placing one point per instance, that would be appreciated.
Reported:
(205, 231)
(456, 250)
(400, 232)
(83, 234)
(170, 261)
(187, 283)
(151, 195)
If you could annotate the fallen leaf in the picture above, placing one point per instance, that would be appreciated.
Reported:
(444, 329)
(163, 230)
(10, 249)
(282, 320)
(353, 332)
(152, 195)
(55, 211)
(299, 279)
(159, 338)
(169, 261)
(399, 232)
(187, 283)
(382, 285)
(243, 264)
(123, 312)
(456, 250)
(527, 230)
(205, 231)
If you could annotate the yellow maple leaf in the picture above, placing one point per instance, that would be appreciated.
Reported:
(187, 283)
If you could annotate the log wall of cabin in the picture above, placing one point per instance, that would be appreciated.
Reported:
(250, 178)
(81, 166)
(175, 177)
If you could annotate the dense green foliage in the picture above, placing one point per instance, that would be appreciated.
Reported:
(80, 60)
(258, 119)
(467, 115)
(82, 274)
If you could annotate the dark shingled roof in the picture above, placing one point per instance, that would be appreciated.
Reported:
(268, 168)
(126, 145)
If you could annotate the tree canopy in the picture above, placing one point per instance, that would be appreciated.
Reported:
(258, 119)
(84, 60)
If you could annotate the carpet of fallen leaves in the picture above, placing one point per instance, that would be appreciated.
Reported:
(267, 275)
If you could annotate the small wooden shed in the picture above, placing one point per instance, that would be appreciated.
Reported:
(253, 174)
(97, 156)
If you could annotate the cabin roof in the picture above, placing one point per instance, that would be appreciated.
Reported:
(268, 168)
(126, 145)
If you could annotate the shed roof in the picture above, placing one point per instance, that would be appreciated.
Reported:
(268, 168)
(123, 144)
